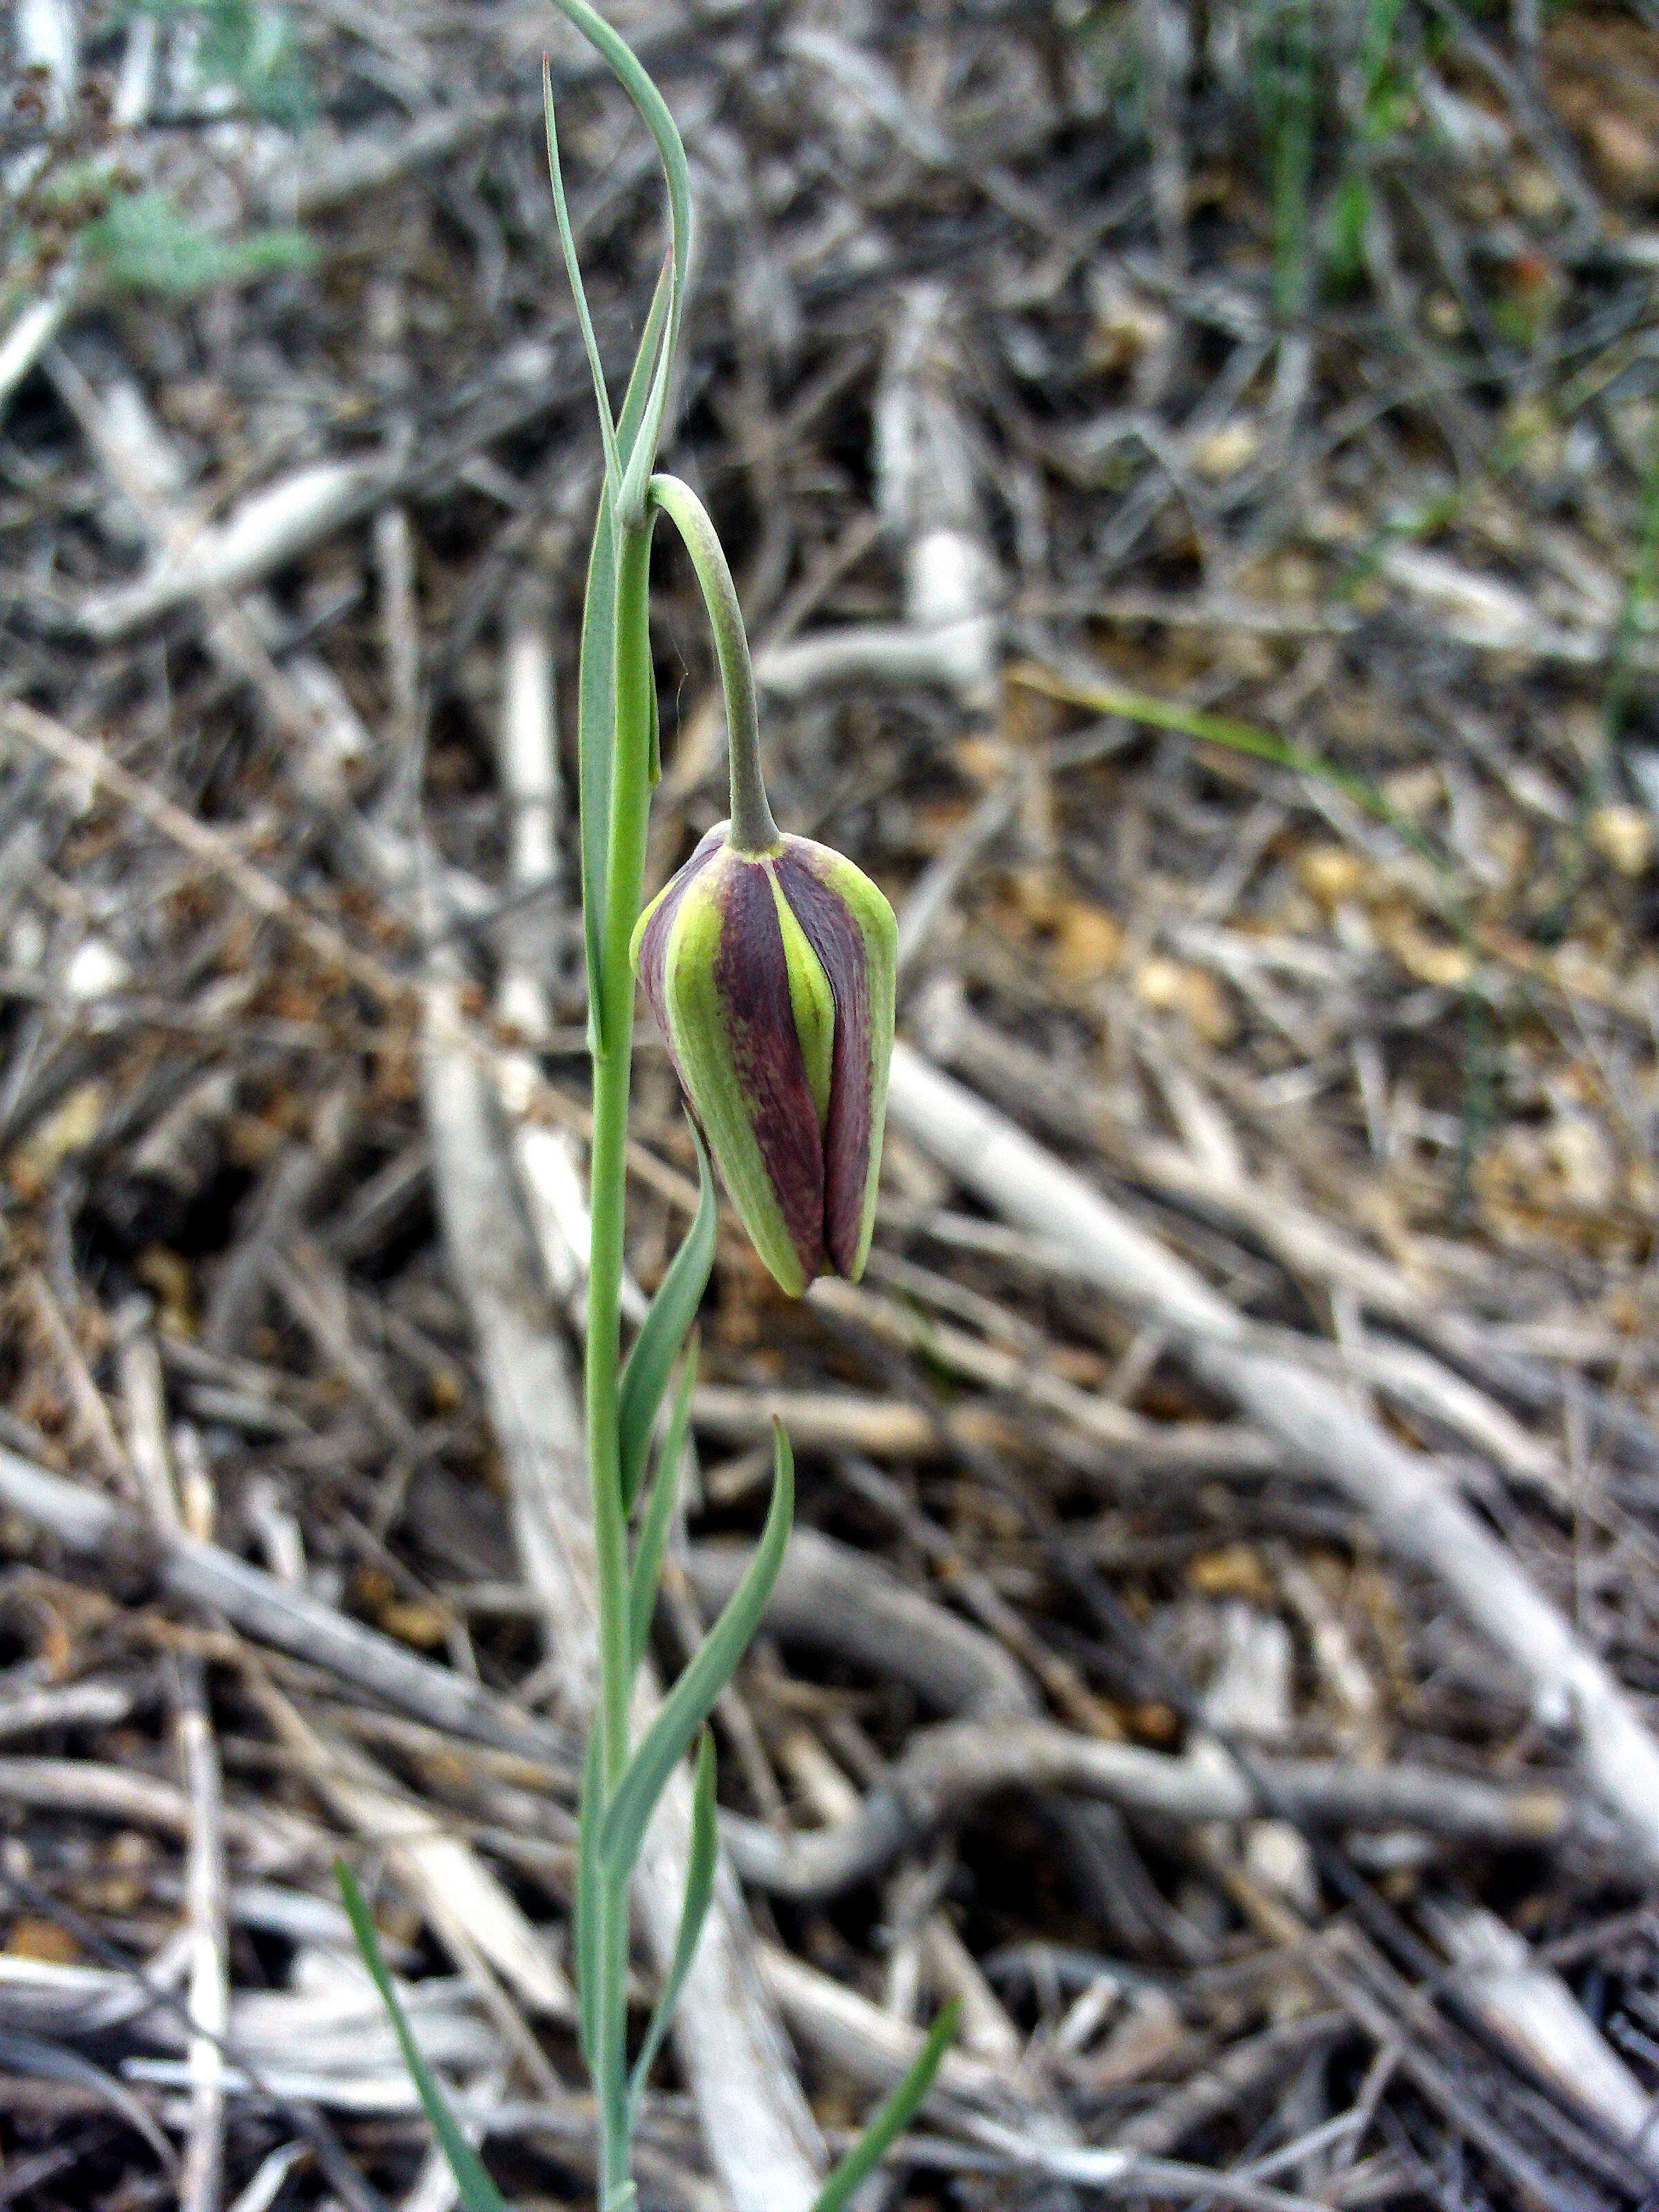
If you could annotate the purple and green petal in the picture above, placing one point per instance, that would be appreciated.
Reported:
(771, 975)
(651, 931)
(732, 1030)
(850, 926)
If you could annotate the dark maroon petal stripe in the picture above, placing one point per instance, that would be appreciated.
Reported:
(751, 979)
(834, 934)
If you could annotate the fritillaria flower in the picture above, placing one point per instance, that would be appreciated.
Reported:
(770, 974)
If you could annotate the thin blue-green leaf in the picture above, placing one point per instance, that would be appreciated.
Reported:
(573, 270)
(478, 2192)
(588, 1914)
(658, 1514)
(639, 377)
(694, 1910)
(664, 1330)
(688, 1704)
(643, 459)
(892, 2117)
(595, 720)
(677, 175)
(596, 741)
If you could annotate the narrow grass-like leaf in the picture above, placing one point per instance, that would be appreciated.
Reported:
(586, 1933)
(643, 459)
(689, 1702)
(1225, 730)
(694, 1910)
(671, 1313)
(892, 2117)
(596, 721)
(639, 377)
(654, 114)
(1261, 744)
(658, 1514)
(478, 2191)
(573, 270)
(596, 739)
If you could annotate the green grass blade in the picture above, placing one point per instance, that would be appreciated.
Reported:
(688, 1705)
(587, 1915)
(478, 2192)
(659, 1512)
(639, 380)
(694, 1910)
(1261, 744)
(1237, 737)
(893, 2117)
(643, 460)
(654, 114)
(573, 270)
(671, 1313)
(596, 735)
(596, 741)
(595, 720)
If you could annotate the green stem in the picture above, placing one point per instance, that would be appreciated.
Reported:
(631, 796)
(753, 829)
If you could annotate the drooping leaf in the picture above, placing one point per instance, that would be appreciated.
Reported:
(892, 2117)
(659, 1514)
(688, 1704)
(694, 1910)
(671, 1313)
(478, 2191)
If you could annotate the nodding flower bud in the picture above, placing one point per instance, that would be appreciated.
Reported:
(771, 978)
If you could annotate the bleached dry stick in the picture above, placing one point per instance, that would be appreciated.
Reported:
(528, 755)
(832, 1597)
(201, 2186)
(928, 501)
(1529, 2009)
(201, 2183)
(469, 1911)
(947, 1771)
(43, 39)
(305, 699)
(1299, 1239)
(467, 1908)
(1416, 1513)
(842, 1420)
(192, 1572)
(270, 526)
(758, 2131)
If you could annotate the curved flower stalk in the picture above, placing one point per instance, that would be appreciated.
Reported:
(769, 961)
